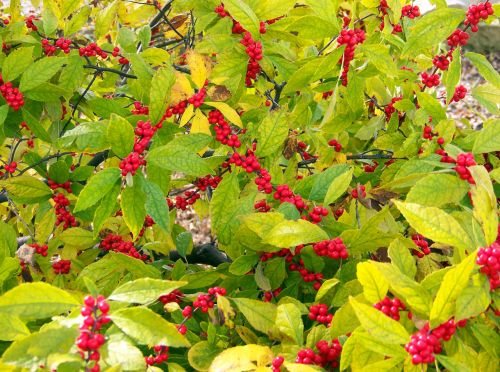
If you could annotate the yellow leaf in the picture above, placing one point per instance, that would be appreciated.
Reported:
(188, 114)
(242, 358)
(198, 65)
(229, 113)
(200, 123)
(182, 88)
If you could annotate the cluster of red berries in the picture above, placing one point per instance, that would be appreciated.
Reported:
(427, 133)
(458, 37)
(116, 243)
(441, 62)
(29, 22)
(30, 141)
(465, 160)
(307, 276)
(61, 267)
(51, 49)
(269, 295)
(390, 109)
(316, 215)
(359, 192)
(182, 202)
(445, 158)
(54, 185)
(370, 168)
(95, 315)
(284, 252)
(327, 357)
(40, 249)
(489, 260)
(335, 144)
(327, 94)
(144, 131)
(63, 214)
(208, 181)
(139, 109)
(122, 60)
(223, 131)
(161, 355)
(198, 98)
(422, 243)
(334, 248)
(459, 94)
(177, 109)
(390, 307)
(277, 363)
(320, 314)
(206, 301)
(254, 52)
(263, 182)
(262, 206)
(11, 167)
(430, 80)
(249, 163)
(174, 296)
(12, 95)
(284, 194)
(349, 38)
(148, 222)
(477, 12)
(92, 50)
(410, 11)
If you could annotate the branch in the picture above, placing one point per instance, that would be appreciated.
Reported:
(107, 69)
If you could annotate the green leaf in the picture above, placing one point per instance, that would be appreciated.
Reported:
(12, 328)
(201, 355)
(261, 280)
(379, 325)
(77, 21)
(180, 159)
(435, 224)
(73, 73)
(40, 72)
(474, 299)
(289, 324)
(484, 67)
(133, 202)
(338, 186)
(144, 290)
(292, 233)
(431, 29)
(275, 271)
(106, 206)
(8, 241)
(49, 21)
(452, 76)
(324, 181)
(244, 14)
(156, 205)
(453, 284)
(35, 126)
(27, 189)
(119, 350)
(399, 253)
(488, 138)
(312, 71)
(452, 364)
(104, 20)
(326, 286)
(487, 95)
(120, 135)
(431, 106)
(260, 315)
(97, 187)
(271, 134)
(345, 321)
(379, 55)
(310, 27)
(161, 85)
(243, 264)
(78, 237)
(226, 192)
(36, 301)
(148, 328)
(488, 338)
(59, 171)
(375, 286)
(436, 190)
(16, 63)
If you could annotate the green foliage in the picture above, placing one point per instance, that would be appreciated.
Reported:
(348, 212)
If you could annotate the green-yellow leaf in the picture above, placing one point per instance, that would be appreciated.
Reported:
(488, 139)
(260, 315)
(271, 134)
(242, 358)
(144, 290)
(338, 186)
(244, 14)
(97, 187)
(484, 67)
(120, 135)
(289, 324)
(16, 63)
(159, 95)
(375, 286)
(40, 72)
(26, 189)
(292, 233)
(133, 206)
(436, 190)
(78, 237)
(12, 327)
(485, 202)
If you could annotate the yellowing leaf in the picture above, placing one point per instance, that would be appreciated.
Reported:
(435, 190)
(485, 203)
(182, 89)
(292, 233)
(375, 286)
(198, 65)
(289, 323)
(200, 123)
(338, 186)
(229, 113)
(242, 358)
(260, 315)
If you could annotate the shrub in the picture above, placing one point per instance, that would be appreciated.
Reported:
(354, 223)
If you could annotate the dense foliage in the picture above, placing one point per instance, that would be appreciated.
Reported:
(355, 226)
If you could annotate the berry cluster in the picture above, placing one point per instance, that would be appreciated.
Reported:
(182, 202)
(254, 51)
(61, 267)
(307, 276)
(11, 167)
(40, 249)
(92, 50)
(95, 315)
(161, 355)
(328, 354)
(63, 214)
(284, 194)
(458, 37)
(249, 163)
(390, 307)
(334, 248)
(174, 296)
(464, 161)
(390, 109)
(441, 62)
(349, 38)
(262, 206)
(12, 95)
(410, 11)
(422, 243)
(445, 158)
(29, 22)
(208, 181)
(427, 133)
(197, 99)
(54, 185)
(116, 243)
(359, 192)
(459, 94)
(477, 12)
(263, 182)
(430, 80)
(277, 363)
(320, 314)
(370, 168)
(51, 49)
(489, 260)
(327, 94)
(206, 301)
(335, 144)
(223, 131)
(316, 215)
(269, 295)
(139, 109)
(144, 131)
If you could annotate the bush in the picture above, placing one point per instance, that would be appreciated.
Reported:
(354, 224)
